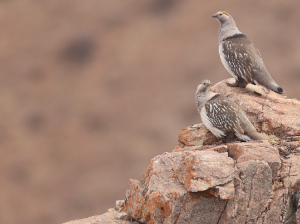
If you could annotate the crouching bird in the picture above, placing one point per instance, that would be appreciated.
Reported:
(223, 116)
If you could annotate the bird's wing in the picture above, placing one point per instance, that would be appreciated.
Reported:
(222, 113)
(236, 56)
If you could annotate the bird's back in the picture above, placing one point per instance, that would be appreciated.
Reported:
(222, 113)
(241, 56)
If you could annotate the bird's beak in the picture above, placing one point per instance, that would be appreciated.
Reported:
(214, 15)
(209, 83)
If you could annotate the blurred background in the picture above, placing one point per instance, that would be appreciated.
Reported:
(91, 91)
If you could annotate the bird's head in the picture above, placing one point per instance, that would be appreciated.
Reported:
(203, 87)
(223, 17)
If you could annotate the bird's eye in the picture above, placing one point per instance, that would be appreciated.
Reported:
(220, 14)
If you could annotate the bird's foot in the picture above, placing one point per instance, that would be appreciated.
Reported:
(224, 139)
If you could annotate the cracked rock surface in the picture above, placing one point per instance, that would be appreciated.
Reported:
(205, 181)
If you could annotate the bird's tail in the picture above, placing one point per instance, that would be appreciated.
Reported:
(248, 128)
(275, 87)
(255, 136)
(264, 78)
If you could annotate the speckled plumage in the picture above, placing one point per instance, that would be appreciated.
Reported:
(240, 57)
(223, 116)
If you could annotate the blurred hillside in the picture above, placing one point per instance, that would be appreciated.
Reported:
(91, 90)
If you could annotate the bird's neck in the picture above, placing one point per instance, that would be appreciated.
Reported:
(202, 98)
(228, 30)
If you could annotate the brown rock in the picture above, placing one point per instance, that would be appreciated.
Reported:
(171, 203)
(256, 150)
(134, 198)
(292, 178)
(252, 193)
(283, 151)
(163, 195)
(195, 135)
(219, 149)
(205, 181)
(298, 213)
(274, 212)
(110, 217)
(225, 191)
(206, 169)
(119, 206)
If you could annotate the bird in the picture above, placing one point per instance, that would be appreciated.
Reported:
(240, 56)
(222, 116)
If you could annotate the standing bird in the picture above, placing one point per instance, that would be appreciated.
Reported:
(222, 116)
(240, 57)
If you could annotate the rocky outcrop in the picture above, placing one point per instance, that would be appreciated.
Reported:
(174, 183)
(205, 181)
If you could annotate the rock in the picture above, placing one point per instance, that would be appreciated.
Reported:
(205, 181)
(119, 206)
(206, 169)
(283, 151)
(110, 217)
(134, 199)
(292, 145)
(292, 209)
(236, 195)
(256, 150)
(252, 193)
(298, 213)
(219, 149)
(182, 186)
(195, 135)
(292, 179)
(275, 211)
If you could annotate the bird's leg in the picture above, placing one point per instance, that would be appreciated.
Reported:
(238, 83)
(230, 137)
(232, 84)
(241, 83)
(227, 139)
(224, 139)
